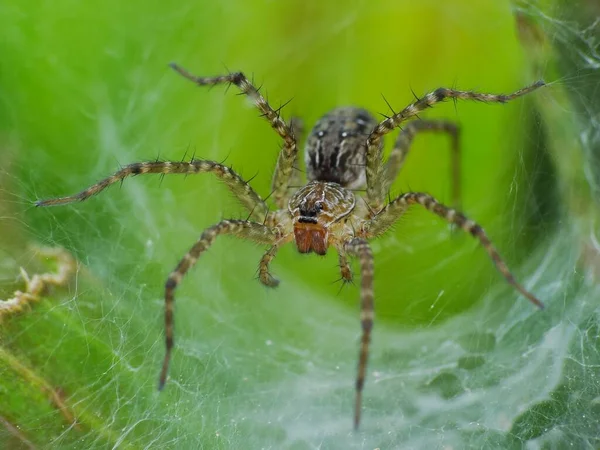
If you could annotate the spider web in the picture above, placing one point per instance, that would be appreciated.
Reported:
(458, 359)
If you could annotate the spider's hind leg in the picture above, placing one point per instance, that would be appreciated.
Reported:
(395, 162)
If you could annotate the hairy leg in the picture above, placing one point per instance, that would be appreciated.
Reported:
(393, 210)
(287, 156)
(375, 194)
(241, 189)
(395, 162)
(297, 126)
(297, 178)
(361, 249)
(252, 231)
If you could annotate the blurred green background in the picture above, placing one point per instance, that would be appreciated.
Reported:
(85, 87)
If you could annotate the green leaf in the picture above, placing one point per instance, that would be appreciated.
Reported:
(458, 358)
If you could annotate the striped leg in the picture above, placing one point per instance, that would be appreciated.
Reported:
(252, 231)
(375, 193)
(360, 248)
(241, 189)
(287, 156)
(297, 126)
(297, 176)
(390, 214)
(395, 162)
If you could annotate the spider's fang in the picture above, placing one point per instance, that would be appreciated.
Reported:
(311, 237)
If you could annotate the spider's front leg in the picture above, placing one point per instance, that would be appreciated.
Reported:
(287, 156)
(395, 162)
(361, 249)
(375, 193)
(397, 207)
(252, 231)
(241, 189)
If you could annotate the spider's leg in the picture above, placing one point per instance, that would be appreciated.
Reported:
(361, 249)
(395, 162)
(297, 126)
(296, 179)
(252, 231)
(375, 194)
(264, 274)
(393, 210)
(242, 190)
(287, 156)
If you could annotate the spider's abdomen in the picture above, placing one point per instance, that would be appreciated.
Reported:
(336, 147)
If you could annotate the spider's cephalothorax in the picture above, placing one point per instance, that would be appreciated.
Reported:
(316, 208)
(343, 152)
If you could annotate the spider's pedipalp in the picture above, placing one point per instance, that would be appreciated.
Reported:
(236, 184)
(395, 161)
(375, 194)
(287, 155)
(345, 270)
(361, 249)
(252, 231)
(264, 274)
(392, 212)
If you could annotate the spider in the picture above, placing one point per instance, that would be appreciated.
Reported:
(343, 153)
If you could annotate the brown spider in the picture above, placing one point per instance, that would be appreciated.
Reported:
(343, 152)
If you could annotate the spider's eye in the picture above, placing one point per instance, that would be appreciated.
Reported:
(311, 211)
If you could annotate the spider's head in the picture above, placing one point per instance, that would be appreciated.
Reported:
(314, 208)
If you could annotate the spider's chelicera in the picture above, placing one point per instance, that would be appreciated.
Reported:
(343, 153)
